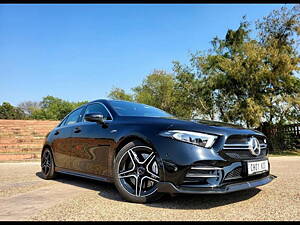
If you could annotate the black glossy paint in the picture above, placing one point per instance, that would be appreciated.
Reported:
(89, 148)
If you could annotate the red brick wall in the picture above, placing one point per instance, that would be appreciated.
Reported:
(23, 139)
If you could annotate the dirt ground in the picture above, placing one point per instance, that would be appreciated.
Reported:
(26, 196)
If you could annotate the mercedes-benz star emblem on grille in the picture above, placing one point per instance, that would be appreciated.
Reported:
(254, 146)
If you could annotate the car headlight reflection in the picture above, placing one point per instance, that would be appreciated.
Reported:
(196, 138)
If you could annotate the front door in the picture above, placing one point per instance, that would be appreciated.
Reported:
(62, 143)
(61, 146)
(91, 143)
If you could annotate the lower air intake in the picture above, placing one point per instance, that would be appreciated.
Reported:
(202, 175)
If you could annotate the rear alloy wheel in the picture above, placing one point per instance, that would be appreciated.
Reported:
(47, 165)
(136, 173)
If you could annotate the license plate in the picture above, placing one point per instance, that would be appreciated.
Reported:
(257, 167)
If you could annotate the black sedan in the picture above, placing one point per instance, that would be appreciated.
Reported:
(146, 152)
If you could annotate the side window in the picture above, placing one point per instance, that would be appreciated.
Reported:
(62, 122)
(73, 117)
(98, 108)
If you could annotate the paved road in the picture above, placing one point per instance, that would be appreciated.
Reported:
(25, 196)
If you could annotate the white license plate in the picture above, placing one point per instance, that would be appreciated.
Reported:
(257, 167)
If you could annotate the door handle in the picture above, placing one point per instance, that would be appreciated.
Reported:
(56, 132)
(77, 130)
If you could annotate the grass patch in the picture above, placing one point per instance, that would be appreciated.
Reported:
(286, 153)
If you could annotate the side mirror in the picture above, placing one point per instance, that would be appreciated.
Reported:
(94, 117)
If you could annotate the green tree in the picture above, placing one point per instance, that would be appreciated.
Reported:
(192, 95)
(253, 80)
(120, 94)
(246, 78)
(7, 111)
(53, 108)
(279, 33)
(29, 106)
(157, 89)
(233, 76)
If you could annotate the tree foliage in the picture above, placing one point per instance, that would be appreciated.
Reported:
(119, 93)
(157, 90)
(7, 111)
(246, 78)
(53, 108)
(29, 106)
(193, 95)
(253, 80)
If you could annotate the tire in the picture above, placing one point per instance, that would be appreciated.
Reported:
(47, 165)
(135, 173)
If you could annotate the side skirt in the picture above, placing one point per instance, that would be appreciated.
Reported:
(84, 175)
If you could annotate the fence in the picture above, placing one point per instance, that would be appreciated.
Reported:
(283, 137)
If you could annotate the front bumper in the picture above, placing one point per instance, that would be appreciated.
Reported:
(168, 187)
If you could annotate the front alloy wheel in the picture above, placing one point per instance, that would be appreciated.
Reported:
(136, 173)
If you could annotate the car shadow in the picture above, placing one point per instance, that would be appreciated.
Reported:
(180, 201)
(203, 201)
(82, 182)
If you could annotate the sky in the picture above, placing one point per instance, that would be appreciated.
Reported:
(80, 52)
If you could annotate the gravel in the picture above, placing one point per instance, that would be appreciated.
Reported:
(23, 193)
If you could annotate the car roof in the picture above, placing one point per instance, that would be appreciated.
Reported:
(108, 100)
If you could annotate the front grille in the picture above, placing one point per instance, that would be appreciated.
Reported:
(243, 139)
(242, 154)
(234, 174)
(237, 147)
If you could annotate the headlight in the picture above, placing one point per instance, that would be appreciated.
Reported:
(200, 139)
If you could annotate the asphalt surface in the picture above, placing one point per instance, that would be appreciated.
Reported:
(26, 196)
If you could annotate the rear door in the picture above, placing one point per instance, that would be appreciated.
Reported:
(91, 142)
(62, 143)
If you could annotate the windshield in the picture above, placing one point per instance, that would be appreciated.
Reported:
(124, 108)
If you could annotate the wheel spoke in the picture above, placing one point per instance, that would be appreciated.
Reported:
(127, 176)
(46, 169)
(151, 173)
(44, 163)
(133, 157)
(150, 178)
(127, 173)
(149, 158)
(148, 164)
(138, 186)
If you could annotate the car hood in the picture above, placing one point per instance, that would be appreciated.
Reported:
(210, 127)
